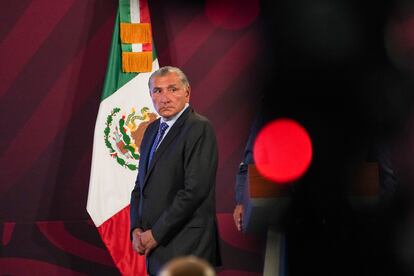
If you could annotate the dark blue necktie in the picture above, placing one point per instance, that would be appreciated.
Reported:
(161, 130)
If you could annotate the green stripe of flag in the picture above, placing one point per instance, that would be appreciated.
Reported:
(115, 78)
(125, 11)
(126, 47)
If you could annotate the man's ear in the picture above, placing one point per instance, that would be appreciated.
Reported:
(188, 92)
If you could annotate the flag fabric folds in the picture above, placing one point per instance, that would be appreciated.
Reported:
(124, 113)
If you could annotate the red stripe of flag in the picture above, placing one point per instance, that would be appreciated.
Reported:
(125, 258)
(145, 18)
(144, 11)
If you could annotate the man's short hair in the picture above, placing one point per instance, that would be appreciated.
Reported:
(167, 70)
(187, 266)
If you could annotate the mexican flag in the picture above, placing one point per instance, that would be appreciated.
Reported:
(124, 113)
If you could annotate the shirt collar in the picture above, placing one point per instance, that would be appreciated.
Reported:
(174, 118)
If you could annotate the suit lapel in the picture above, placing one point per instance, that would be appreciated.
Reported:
(146, 150)
(175, 130)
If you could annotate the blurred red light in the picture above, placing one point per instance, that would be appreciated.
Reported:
(282, 151)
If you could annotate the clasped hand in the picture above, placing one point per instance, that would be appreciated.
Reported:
(143, 242)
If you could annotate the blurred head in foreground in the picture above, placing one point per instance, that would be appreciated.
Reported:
(187, 266)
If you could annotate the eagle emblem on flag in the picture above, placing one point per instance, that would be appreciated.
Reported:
(123, 134)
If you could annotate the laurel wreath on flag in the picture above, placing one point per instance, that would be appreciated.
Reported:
(126, 139)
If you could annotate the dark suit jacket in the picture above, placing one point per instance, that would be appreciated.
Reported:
(175, 197)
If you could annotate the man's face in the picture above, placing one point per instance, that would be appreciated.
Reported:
(169, 95)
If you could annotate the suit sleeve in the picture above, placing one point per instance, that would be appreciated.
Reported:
(136, 192)
(134, 207)
(241, 177)
(200, 166)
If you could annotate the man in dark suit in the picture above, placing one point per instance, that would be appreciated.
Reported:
(173, 203)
